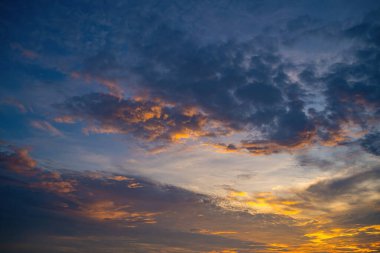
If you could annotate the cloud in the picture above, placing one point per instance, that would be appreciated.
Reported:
(244, 81)
(46, 126)
(55, 186)
(335, 215)
(171, 73)
(352, 185)
(149, 120)
(371, 143)
(107, 210)
(247, 86)
(25, 169)
(17, 160)
(15, 103)
(330, 211)
(347, 200)
(64, 119)
(103, 206)
(112, 86)
(262, 202)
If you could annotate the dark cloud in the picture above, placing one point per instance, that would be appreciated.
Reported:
(351, 185)
(261, 94)
(282, 76)
(17, 166)
(371, 143)
(346, 200)
(352, 89)
(17, 160)
(150, 120)
(239, 76)
(248, 85)
(243, 86)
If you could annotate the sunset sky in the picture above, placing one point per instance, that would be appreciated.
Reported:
(183, 126)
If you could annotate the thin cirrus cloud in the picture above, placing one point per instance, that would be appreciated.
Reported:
(46, 126)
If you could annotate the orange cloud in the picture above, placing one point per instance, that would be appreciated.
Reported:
(322, 236)
(147, 119)
(120, 178)
(224, 251)
(107, 210)
(113, 87)
(347, 132)
(55, 186)
(266, 147)
(224, 148)
(134, 185)
(305, 139)
(65, 119)
(19, 161)
(209, 232)
(262, 202)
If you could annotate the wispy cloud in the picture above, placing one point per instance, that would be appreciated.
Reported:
(47, 127)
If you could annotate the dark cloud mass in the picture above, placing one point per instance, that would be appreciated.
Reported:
(150, 120)
(243, 85)
(245, 81)
(371, 143)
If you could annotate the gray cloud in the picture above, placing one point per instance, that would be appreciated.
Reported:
(236, 74)
(150, 120)
(371, 143)
(351, 185)
(247, 85)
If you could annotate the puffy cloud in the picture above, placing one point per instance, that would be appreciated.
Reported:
(150, 120)
(17, 160)
(249, 83)
(248, 86)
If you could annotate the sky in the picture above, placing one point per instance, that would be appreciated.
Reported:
(212, 126)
